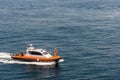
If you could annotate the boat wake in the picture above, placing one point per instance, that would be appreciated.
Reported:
(5, 55)
(6, 59)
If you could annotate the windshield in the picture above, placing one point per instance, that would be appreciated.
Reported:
(35, 53)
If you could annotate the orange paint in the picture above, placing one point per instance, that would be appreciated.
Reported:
(37, 58)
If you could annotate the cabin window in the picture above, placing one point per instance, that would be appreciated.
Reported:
(45, 53)
(35, 53)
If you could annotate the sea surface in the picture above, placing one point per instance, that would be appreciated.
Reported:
(85, 32)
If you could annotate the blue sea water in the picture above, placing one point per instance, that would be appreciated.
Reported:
(85, 32)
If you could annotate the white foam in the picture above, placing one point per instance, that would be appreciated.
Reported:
(5, 55)
(28, 63)
(6, 59)
(61, 60)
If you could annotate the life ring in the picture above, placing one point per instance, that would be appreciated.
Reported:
(37, 59)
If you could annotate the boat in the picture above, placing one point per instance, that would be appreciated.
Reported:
(33, 54)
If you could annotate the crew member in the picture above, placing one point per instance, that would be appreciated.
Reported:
(55, 52)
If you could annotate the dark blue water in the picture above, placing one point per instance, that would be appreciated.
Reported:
(85, 32)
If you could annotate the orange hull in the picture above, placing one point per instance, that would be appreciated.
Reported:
(36, 58)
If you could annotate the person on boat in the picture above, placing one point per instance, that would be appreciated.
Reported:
(55, 52)
(30, 47)
(20, 53)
